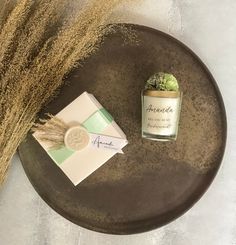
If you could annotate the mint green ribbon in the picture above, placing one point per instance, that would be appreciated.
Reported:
(96, 123)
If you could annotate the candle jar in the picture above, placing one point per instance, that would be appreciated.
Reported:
(160, 114)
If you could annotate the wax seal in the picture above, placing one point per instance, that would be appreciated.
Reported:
(76, 138)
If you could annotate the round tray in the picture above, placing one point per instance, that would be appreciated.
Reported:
(153, 183)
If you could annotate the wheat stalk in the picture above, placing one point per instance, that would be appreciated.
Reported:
(38, 47)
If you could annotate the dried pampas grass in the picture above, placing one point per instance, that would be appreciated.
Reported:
(51, 131)
(39, 44)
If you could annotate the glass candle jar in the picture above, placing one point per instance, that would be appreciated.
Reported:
(160, 114)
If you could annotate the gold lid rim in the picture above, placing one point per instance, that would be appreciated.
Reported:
(163, 94)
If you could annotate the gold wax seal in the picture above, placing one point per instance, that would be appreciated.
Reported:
(76, 138)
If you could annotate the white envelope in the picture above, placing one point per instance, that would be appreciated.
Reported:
(82, 163)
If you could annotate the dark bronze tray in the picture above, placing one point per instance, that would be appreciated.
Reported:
(153, 183)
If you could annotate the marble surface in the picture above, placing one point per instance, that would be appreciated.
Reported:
(209, 28)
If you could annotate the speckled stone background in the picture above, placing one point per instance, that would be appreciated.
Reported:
(209, 29)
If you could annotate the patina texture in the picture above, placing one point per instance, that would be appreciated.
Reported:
(153, 182)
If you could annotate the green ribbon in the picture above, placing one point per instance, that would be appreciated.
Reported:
(96, 123)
